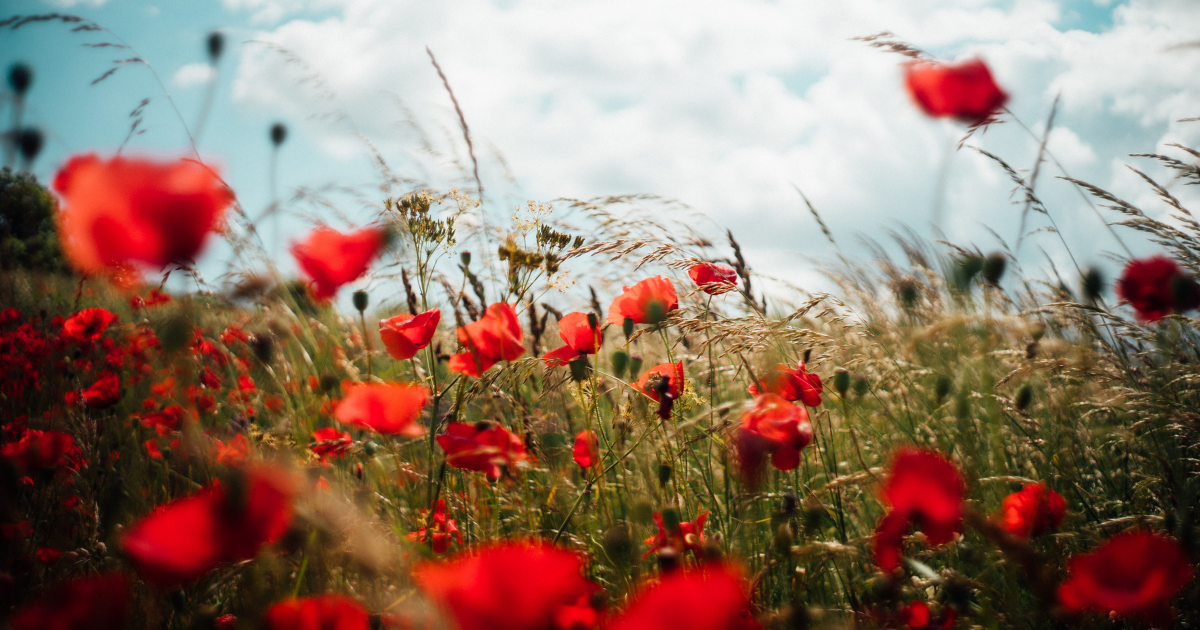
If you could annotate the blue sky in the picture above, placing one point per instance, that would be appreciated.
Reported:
(720, 105)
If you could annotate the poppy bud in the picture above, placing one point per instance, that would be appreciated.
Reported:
(216, 44)
(579, 370)
(1092, 284)
(841, 381)
(20, 77)
(860, 386)
(328, 382)
(465, 257)
(635, 366)
(592, 321)
(370, 448)
(670, 516)
(993, 267)
(664, 476)
(618, 544)
(968, 267)
(642, 512)
(627, 327)
(789, 504)
(263, 346)
(941, 387)
(278, 133)
(1185, 291)
(783, 540)
(29, 143)
(361, 300)
(620, 361)
(1024, 397)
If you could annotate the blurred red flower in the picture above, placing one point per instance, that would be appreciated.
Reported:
(319, 612)
(331, 259)
(329, 442)
(96, 602)
(714, 278)
(587, 449)
(964, 91)
(225, 622)
(1032, 511)
(923, 489)
(438, 531)
(481, 447)
(1132, 574)
(165, 421)
(87, 325)
(479, 590)
(646, 302)
(776, 427)
(121, 212)
(712, 599)
(391, 408)
(184, 539)
(405, 334)
(154, 298)
(495, 337)
(580, 337)
(235, 453)
(793, 384)
(1156, 287)
(104, 393)
(37, 450)
(47, 555)
(689, 536)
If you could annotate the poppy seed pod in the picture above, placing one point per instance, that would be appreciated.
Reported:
(370, 448)
(627, 327)
(278, 133)
(465, 258)
(620, 361)
(20, 77)
(1092, 284)
(361, 299)
(579, 370)
(993, 268)
(1024, 397)
(215, 44)
(29, 143)
(941, 387)
(841, 381)
(664, 477)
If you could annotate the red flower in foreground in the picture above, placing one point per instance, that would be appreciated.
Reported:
(329, 442)
(186, 538)
(1135, 573)
(965, 91)
(776, 427)
(104, 393)
(482, 447)
(391, 409)
(37, 450)
(580, 337)
(121, 212)
(320, 612)
(495, 337)
(923, 489)
(792, 384)
(97, 602)
(714, 278)
(438, 531)
(587, 449)
(331, 259)
(1156, 287)
(646, 302)
(405, 334)
(87, 325)
(1032, 511)
(664, 384)
(689, 536)
(480, 589)
(712, 599)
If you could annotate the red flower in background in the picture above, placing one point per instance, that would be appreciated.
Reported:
(153, 298)
(235, 453)
(165, 421)
(87, 325)
(776, 427)
(122, 212)
(186, 538)
(792, 384)
(580, 337)
(495, 337)
(104, 393)
(391, 409)
(646, 302)
(437, 533)
(481, 447)
(1156, 287)
(329, 442)
(587, 449)
(923, 489)
(712, 599)
(689, 536)
(405, 334)
(331, 259)
(714, 278)
(1132, 574)
(320, 612)
(37, 450)
(964, 91)
(481, 591)
(96, 602)
(1032, 511)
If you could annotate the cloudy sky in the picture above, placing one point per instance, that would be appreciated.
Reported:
(721, 105)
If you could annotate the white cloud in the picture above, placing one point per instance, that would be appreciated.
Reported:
(193, 74)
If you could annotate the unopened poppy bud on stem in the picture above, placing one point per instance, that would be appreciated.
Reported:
(841, 381)
(20, 77)
(215, 44)
(627, 327)
(278, 133)
(361, 299)
(620, 361)
(465, 258)
(993, 268)
(635, 366)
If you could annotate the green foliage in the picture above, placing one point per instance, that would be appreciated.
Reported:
(27, 234)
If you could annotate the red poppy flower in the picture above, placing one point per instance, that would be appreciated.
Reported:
(235, 453)
(16, 531)
(776, 427)
(225, 622)
(47, 555)
(647, 302)
(924, 489)
(405, 334)
(712, 599)
(580, 337)
(391, 409)
(1032, 511)
(689, 536)
(246, 384)
(331, 259)
(1132, 574)
(87, 325)
(320, 612)
(714, 278)
(495, 337)
(439, 531)
(665, 378)
(165, 421)
(96, 602)
(964, 91)
(481, 447)
(792, 384)
(587, 449)
(37, 450)
(1156, 286)
(122, 212)
(479, 590)
(186, 538)
(104, 393)
(329, 442)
